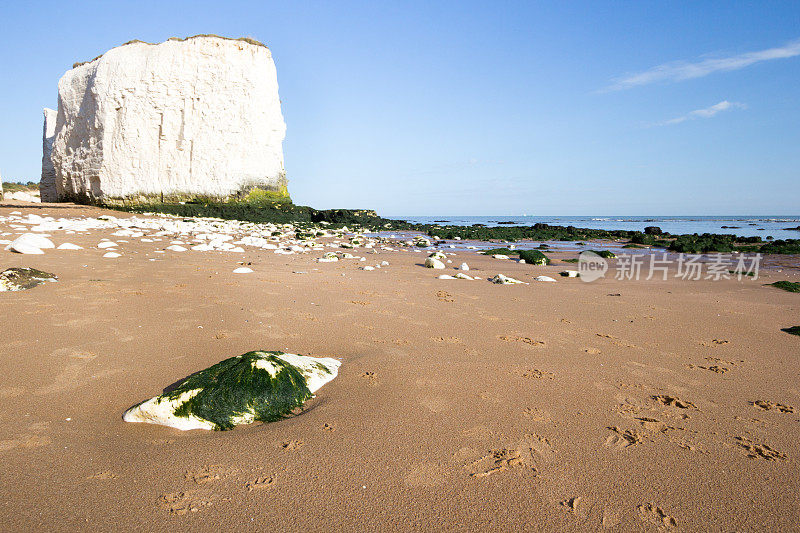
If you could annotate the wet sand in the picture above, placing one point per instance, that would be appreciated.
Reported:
(460, 405)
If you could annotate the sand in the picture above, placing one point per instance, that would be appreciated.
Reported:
(460, 405)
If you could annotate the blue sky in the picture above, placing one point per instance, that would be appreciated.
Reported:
(495, 108)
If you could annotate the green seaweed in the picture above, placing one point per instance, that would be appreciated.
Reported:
(605, 254)
(500, 251)
(17, 279)
(235, 386)
(794, 330)
(790, 286)
(571, 260)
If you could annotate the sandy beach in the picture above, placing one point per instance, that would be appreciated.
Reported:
(460, 405)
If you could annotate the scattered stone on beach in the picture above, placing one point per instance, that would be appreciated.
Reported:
(111, 255)
(243, 270)
(447, 276)
(367, 268)
(570, 274)
(107, 244)
(422, 242)
(329, 257)
(438, 255)
(18, 279)
(464, 266)
(500, 256)
(500, 279)
(461, 275)
(69, 246)
(22, 248)
(543, 278)
(30, 243)
(257, 386)
(178, 248)
(431, 262)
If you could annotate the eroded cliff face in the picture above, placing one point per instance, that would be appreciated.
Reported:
(199, 117)
(47, 185)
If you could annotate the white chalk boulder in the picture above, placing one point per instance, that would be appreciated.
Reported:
(431, 262)
(258, 386)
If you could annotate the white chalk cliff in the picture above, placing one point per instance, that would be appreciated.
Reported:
(47, 185)
(198, 117)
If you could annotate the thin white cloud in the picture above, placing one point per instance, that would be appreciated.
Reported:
(707, 112)
(686, 70)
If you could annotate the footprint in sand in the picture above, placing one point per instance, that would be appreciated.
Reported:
(524, 340)
(104, 475)
(534, 373)
(655, 515)
(714, 342)
(26, 440)
(759, 450)
(448, 340)
(292, 445)
(204, 475)
(522, 457)
(712, 368)
(536, 414)
(622, 438)
(768, 406)
(370, 377)
(184, 502)
(260, 483)
(444, 296)
(672, 401)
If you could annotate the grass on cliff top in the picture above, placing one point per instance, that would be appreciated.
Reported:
(15, 187)
(248, 40)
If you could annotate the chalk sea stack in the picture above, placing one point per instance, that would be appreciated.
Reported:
(194, 118)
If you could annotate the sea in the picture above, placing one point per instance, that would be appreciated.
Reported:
(776, 226)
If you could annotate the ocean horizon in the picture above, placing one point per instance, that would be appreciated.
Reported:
(775, 226)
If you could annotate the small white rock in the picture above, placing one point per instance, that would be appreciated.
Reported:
(242, 270)
(176, 248)
(112, 255)
(464, 266)
(107, 244)
(430, 262)
(543, 278)
(69, 246)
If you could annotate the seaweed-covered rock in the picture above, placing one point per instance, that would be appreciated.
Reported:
(794, 330)
(605, 254)
(257, 386)
(534, 257)
(18, 279)
(790, 286)
(500, 279)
